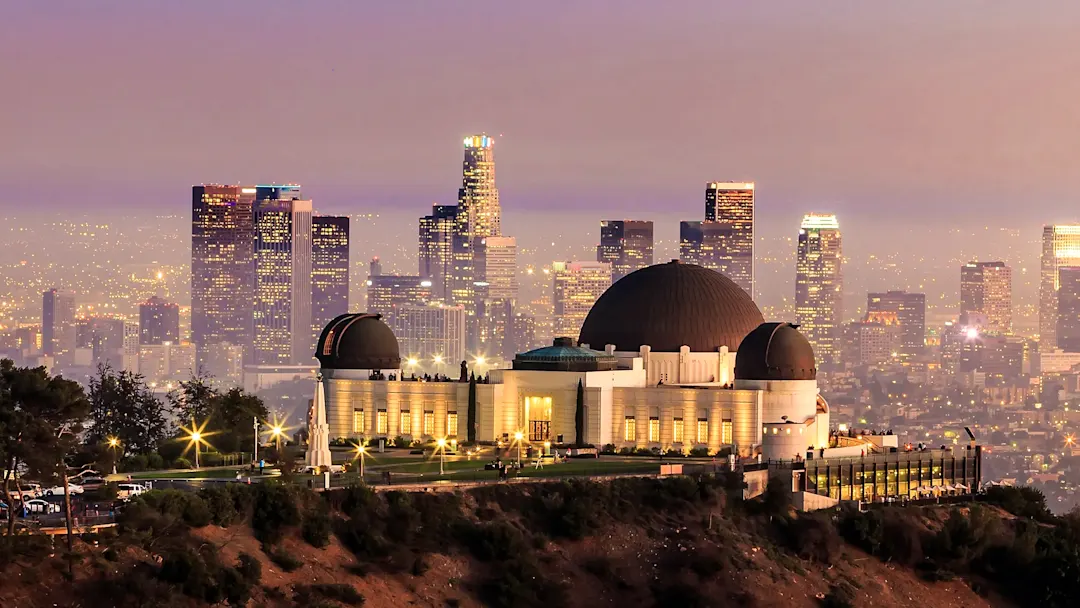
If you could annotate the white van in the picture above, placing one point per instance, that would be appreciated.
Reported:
(127, 491)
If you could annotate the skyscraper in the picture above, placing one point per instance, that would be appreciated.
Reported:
(986, 289)
(433, 335)
(282, 317)
(496, 294)
(104, 338)
(575, 288)
(709, 244)
(1068, 323)
(329, 270)
(625, 244)
(732, 203)
(1060, 247)
(910, 311)
(478, 216)
(159, 321)
(375, 267)
(388, 292)
(222, 273)
(437, 248)
(58, 327)
(819, 285)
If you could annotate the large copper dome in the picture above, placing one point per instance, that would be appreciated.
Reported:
(671, 305)
(358, 341)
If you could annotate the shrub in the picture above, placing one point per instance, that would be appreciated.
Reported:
(699, 451)
(154, 461)
(286, 561)
(316, 527)
(211, 459)
(608, 448)
(494, 541)
(520, 582)
(646, 452)
(274, 510)
(839, 596)
(1024, 501)
(626, 451)
(133, 464)
(309, 595)
(170, 505)
(181, 463)
(249, 568)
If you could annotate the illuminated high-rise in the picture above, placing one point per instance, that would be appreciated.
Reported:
(625, 244)
(496, 296)
(819, 285)
(709, 244)
(1068, 323)
(432, 335)
(575, 288)
(387, 293)
(58, 335)
(222, 272)
(1060, 247)
(282, 315)
(910, 312)
(478, 216)
(437, 249)
(986, 289)
(159, 321)
(329, 270)
(732, 203)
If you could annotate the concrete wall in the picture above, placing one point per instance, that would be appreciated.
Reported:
(808, 501)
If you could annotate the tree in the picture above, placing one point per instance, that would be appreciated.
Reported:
(122, 406)
(41, 417)
(470, 413)
(227, 416)
(579, 415)
(194, 399)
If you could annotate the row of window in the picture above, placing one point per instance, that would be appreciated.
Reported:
(405, 425)
(678, 430)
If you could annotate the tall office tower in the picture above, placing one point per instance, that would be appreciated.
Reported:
(819, 285)
(523, 333)
(478, 216)
(132, 335)
(986, 289)
(375, 267)
(910, 311)
(224, 364)
(733, 203)
(282, 317)
(166, 364)
(1068, 321)
(1061, 247)
(389, 292)
(432, 335)
(710, 244)
(625, 244)
(222, 274)
(58, 326)
(874, 340)
(329, 270)
(159, 321)
(496, 295)
(437, 248)
(102, 338)
(575, 288)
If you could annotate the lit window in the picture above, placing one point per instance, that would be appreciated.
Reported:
(380, 423)
(702, 430)
(429, 423)
(328, 346)
(677, 431)
(630, 429)
(725, 433)
(654, 429)
(406, 423)
(451, 424)
(358, 421)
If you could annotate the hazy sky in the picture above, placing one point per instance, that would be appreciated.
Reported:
(871, 109)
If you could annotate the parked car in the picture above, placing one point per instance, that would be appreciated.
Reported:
(42, 507)
(73, 488)
(127, 491)
(26, 491)
(91, 483)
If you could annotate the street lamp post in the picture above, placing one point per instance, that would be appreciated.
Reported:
(255, 425)
(518, 436)
(442, 454)
(113, 444)
(361, 451)
(196, 437)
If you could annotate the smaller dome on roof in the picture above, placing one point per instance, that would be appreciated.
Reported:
(563, 356)
(775, 351)
(358, 341)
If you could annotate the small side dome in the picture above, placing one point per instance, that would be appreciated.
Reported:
(358, 341)
(775, 351)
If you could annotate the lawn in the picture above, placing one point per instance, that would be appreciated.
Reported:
(228, 473)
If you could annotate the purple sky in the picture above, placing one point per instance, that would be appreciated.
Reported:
(866, 108)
